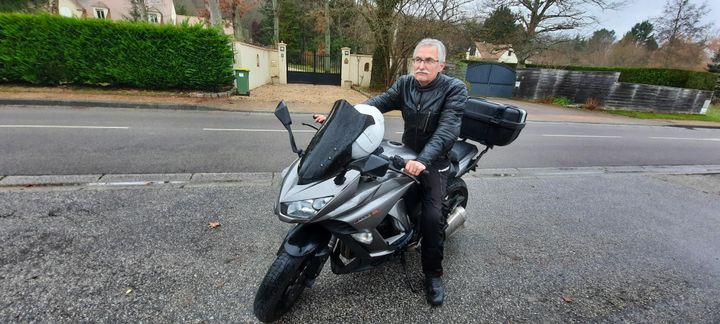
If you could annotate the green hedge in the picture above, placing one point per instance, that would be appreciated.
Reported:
(49, 50)
(655, 76)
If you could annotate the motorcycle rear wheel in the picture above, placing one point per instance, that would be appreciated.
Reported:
(281, 287)
(457, 194)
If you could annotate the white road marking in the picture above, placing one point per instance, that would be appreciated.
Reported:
(255, 130)
(687, 139)
(64, 126)
(582, 136)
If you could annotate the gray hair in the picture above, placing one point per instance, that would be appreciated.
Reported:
(432, 42)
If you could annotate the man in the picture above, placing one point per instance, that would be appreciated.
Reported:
(432, 106)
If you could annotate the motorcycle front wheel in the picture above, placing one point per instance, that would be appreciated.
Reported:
(281, 287)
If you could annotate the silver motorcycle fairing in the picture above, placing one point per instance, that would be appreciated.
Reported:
(393, 148)
(291, 191)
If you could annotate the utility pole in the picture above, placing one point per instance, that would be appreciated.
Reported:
(276, 23)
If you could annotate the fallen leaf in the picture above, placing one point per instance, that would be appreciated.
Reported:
(214, 224)
(567, 299)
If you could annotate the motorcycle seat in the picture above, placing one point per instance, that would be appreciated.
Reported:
(459, 151)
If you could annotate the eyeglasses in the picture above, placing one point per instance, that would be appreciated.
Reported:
(427, 61)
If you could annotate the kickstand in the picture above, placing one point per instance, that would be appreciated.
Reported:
(407, 278)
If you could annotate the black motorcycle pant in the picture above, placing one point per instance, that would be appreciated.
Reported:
(433, 187)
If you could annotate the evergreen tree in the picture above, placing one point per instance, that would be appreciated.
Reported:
(500, 27)
(601, 40)
(714, 65)
(642, 35)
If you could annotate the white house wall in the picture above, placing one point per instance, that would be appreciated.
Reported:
(261, 62)
(358, 75)
(68, 8)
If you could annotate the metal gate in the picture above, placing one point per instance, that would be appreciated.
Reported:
(312, 68)
(490, 80)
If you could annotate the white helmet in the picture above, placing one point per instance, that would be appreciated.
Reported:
(371, 137)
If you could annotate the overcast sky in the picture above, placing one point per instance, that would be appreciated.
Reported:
(636, 11)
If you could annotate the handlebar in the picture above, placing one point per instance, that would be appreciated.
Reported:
(398, 164)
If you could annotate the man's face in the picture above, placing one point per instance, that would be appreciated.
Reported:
(426, 64)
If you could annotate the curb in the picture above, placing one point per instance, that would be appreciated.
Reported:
(136, 180)
(105, 104)
(182, 180)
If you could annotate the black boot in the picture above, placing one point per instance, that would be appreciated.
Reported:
(434, 291)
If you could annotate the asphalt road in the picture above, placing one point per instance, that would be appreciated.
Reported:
(37, 141)
(601, 248)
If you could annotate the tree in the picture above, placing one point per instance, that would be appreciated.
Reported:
(233, 11)
(182, 10)
(138, 11)
(213, 12)
(714, 65)
(22, 5)
(682, 20)
(601, 40)
(53, 6)
(680, 27)
(641, 35)
(381, 17)
(500, 27)
(542, 18)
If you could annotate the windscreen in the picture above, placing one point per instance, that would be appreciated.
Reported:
(330, 149)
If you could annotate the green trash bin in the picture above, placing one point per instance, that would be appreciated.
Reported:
(242, 81)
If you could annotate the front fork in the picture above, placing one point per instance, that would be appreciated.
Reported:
(304, 239)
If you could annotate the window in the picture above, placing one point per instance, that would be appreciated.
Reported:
(366, 68)
(154, 18)
(101, 13)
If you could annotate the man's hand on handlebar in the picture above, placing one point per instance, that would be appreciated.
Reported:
(414, 168)
(319, 118)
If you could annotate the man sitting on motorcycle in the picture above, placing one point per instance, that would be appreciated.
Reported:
(432, 106)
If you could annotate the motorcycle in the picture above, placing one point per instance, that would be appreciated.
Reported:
(353, 203)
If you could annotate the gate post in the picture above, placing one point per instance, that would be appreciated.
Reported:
(345, 80)
(282, 62)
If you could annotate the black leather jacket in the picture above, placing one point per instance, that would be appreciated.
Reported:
(432, 115)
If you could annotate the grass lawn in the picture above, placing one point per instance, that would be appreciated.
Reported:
(713, 115)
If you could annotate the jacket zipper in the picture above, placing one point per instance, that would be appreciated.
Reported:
(417, 124)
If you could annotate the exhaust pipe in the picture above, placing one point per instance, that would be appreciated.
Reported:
(455, 221)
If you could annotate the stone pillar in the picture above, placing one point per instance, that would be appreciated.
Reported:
(345, 80)
(282, 62)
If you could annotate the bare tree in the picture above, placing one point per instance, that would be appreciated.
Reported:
(382, 16)
(682, 19)
(138, 10)
(449, 11)
(397, 25)
(213, 10)
(233, 11)
(542, 18)
(680, 25)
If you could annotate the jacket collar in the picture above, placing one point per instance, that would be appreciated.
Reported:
(433, 84)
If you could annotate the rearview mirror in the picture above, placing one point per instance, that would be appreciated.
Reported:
(282, 113)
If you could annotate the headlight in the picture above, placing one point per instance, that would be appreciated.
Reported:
(306, 208)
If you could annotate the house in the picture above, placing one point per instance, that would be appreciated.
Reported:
(491, 52)
(159, 11)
